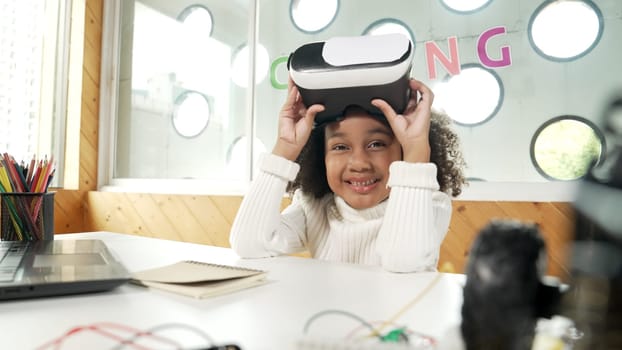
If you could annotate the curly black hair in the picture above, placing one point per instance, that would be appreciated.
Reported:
(444, 152)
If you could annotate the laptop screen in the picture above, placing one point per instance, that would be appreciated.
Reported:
(58, 267)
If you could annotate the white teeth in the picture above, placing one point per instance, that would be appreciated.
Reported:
(363, 183)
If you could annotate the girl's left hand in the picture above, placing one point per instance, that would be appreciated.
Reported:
(412, 128)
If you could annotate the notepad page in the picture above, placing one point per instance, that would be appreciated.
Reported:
(202, 290)
(194, 271)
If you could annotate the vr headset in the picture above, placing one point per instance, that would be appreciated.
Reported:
(346, 71)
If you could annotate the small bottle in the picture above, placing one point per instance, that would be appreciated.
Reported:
(556, 333)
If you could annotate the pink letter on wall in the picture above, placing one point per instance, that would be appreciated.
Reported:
(505, 59)
(433, 51)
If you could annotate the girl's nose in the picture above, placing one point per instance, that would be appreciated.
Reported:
(359, 160)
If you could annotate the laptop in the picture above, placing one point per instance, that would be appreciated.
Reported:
(31, 269)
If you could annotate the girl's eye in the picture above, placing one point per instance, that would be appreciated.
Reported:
(377, 144)
(339, 147)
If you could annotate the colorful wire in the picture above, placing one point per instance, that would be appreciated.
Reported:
(100, 328)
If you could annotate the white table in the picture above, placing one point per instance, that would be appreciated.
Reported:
(271, 316)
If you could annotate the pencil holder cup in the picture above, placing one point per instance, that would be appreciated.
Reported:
(26, 216)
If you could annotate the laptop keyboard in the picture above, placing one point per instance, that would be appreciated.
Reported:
(11, 254)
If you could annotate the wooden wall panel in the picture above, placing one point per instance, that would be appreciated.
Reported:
(208, 219)
(198, 219)
(69, 204)
(89, 121)
(555, 219)
(68, 209)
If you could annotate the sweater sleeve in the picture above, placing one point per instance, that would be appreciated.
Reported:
(416, 219)
(258, 229)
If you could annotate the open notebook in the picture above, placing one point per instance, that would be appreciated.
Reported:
(199, 279)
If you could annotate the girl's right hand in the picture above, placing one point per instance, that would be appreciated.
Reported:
(295, 124)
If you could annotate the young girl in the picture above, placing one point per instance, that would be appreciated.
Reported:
(366, 189)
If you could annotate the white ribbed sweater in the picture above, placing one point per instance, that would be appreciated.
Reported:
(402, 234)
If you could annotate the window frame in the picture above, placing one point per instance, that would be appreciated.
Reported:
(110, 70)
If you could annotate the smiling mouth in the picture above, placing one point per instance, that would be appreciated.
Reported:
(363, 186)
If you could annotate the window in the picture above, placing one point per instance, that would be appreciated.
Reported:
(33, 65)
(471, 97)
(191, 113)
(313, 15)
(197, 18)
(565, 30)
(236, 155)
(465, 6)
(388, 26)
(566, 147)
(241, 63)
(181, 100)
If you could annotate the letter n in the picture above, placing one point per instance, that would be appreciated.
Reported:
(432, 51)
